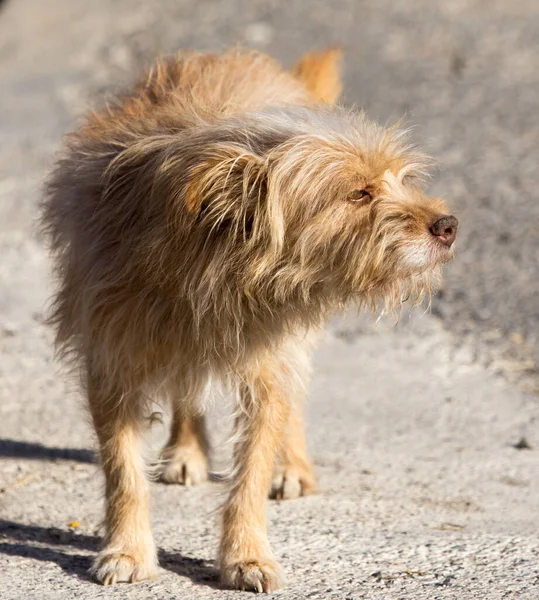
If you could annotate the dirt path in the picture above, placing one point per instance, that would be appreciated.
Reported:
(413, 429)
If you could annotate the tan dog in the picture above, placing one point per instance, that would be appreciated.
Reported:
(202, 229)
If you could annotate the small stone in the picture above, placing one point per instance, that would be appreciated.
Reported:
(523, 444)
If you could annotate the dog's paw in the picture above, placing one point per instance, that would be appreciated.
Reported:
(117, 567)
(253, 575)
(186, 465)
(292, 481)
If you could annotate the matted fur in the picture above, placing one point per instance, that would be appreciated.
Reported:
(202, 226)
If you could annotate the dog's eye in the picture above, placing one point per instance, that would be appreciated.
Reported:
(361, 196)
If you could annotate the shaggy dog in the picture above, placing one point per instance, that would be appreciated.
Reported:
(204, 228)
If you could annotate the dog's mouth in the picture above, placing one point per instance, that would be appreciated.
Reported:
(427, 254)
(441, 252)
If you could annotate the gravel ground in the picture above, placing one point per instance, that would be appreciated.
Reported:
(415, 429)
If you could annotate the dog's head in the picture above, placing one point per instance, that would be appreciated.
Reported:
(323, 200)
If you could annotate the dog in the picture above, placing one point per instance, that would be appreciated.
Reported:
(204, 227)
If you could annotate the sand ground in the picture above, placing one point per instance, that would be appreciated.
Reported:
(412, 428)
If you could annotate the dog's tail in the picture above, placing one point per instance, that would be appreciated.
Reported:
(320, 71)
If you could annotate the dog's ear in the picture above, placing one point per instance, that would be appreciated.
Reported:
(320, 71)
(226, 179)
(227, 192)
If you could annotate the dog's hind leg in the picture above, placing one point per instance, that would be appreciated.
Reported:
(293, 475)
(246, 561)
(128, 552)
(185, 457)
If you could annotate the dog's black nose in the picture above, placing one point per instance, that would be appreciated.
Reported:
(445, 229)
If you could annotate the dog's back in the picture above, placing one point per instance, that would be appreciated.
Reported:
(212, 86)
(194, 87)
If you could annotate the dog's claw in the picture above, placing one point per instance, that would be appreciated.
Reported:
(256, 576)
(110, 579)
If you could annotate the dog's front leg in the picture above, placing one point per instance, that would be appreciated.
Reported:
(129, 552)
(246, 560)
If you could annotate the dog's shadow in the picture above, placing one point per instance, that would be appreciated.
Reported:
(34, 451)
(21, 540)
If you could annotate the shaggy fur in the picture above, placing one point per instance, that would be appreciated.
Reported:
(204, 227)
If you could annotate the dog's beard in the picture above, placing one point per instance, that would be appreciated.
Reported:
(414, 288)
